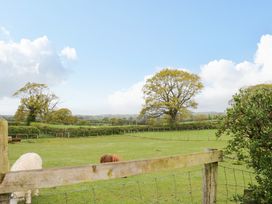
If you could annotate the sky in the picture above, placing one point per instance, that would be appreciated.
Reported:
(96, 55)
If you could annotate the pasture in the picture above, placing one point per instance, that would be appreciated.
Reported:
(176, 186)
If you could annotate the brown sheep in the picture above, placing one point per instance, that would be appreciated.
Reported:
(109, 158)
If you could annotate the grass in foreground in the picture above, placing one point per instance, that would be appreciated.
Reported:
(177, 186)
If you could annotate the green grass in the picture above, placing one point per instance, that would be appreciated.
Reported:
(166, 187)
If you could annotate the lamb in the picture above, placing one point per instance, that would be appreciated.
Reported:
(109, 158)
(28, 161)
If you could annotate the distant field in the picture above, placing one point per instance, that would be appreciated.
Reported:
(177, 186)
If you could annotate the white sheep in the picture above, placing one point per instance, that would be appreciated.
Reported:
(27, 161)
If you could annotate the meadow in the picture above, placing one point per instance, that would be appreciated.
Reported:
(175, 186)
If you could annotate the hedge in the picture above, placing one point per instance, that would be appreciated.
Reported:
(108, 130)
(13, 130)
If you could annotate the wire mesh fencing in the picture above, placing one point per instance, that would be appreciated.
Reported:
(178, 187)
(232, 182)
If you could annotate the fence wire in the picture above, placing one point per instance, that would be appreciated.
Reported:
(174, 136)
(232, 182)
(167, 187)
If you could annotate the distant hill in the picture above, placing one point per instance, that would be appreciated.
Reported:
(126, 116)
(7, 117)
(208, 113)
(97, 117)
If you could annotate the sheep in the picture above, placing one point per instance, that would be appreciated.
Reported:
(28, 161)
(109, 158)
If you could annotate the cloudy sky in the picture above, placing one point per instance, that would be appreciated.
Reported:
(96, 55)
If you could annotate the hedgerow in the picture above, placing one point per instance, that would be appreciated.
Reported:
(13, 130)
(46, 129)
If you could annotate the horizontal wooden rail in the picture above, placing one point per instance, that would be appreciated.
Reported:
(45, 178)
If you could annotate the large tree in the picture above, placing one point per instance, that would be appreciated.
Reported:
(36, 101)
(170, 92)
(249, 122)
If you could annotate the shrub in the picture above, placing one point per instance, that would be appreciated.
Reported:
(249, 122)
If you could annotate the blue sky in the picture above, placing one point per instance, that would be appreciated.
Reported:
(119, 43)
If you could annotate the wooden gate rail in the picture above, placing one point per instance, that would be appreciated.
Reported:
(45, 178)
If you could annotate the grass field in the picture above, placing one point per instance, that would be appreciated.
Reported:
(176, 186)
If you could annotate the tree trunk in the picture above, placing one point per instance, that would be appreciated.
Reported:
(31, 117)
(173, 118)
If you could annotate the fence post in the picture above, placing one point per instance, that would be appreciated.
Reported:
(4, 163)
(209, 182)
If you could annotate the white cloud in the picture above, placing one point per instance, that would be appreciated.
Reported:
(127, 101)
(222, 78)
(69, 53)
(8, 105)
(28, 61)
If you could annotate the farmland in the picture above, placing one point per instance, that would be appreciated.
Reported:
(176, 186)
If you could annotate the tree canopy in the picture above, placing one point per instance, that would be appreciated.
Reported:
(36, 101)
(170, 92)
(249, 122)
(61, 116)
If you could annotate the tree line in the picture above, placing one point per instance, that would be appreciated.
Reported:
(168, 97)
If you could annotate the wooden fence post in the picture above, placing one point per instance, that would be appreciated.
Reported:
(210, 181)
(4, 163)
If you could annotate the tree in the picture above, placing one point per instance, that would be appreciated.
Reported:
(249, 122)
(61, 116)
(21, 114)
(36, 101)
(170, 92)
(117, 121)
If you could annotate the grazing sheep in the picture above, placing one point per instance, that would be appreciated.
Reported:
(26, 161)
(109, 158)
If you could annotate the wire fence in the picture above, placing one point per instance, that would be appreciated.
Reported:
(170, 188)
(176, 136)
(233, 182)
(177, 186)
